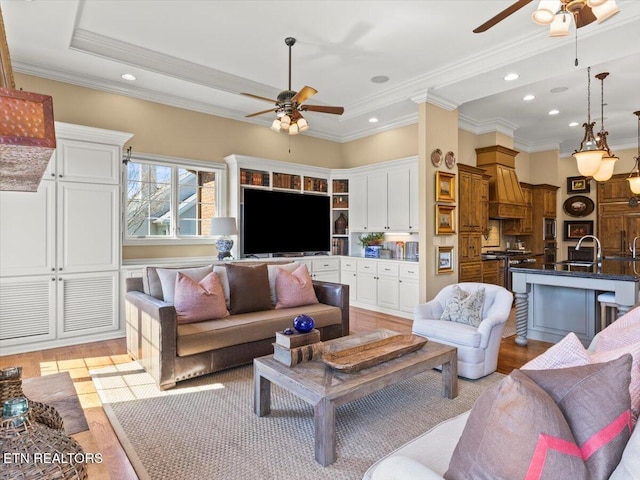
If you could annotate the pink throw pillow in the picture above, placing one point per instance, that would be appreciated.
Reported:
(568, 352)
(631, 318)
(609, 339)
(294, 289)
(196, 302)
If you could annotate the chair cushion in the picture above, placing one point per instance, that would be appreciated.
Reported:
(456, 333)
(464, 307)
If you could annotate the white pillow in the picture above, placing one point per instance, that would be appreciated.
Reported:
(221, 271)
(168, 278)
(463, 307)
(273, 273)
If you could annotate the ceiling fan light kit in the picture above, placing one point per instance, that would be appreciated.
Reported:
(289, 105)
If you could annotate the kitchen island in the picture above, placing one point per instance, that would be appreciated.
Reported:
(552, 301)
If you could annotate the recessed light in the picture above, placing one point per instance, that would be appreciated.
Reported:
(528, 98)
(554, 112)
(511, 76)
(380, 79)
(559, 89)
(129, 76)
(574, 124)
(373, 120)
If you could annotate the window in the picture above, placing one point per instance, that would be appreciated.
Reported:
(171, 200)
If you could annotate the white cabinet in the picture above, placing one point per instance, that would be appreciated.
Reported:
(358, 204)
(409, 287)
(348, 276)
(377, 202)
(399, 200)
(60, 247)
(367, 286)
(387, 278)
(325, 269)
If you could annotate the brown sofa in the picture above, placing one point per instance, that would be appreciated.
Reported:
(172, 352)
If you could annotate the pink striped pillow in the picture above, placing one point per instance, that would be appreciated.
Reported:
(568, 352)
(196, 302)
(294, 289)
(632, 317)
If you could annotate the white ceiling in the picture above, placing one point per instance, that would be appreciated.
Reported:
(200, 54)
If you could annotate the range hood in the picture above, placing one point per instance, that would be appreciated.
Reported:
(505, 194)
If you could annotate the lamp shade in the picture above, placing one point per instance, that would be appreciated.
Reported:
(595, 3)
(293, 129)
(546, 12)
(607, 10)
(634, 184)
(223, 226)
(605, 171)
(560, 25)
(302, 125)
(285, 122)
(589, 161)
(275, 126)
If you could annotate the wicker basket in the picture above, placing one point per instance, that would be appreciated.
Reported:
(39, 452)
(11, 387)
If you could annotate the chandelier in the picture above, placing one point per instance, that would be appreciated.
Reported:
(559, 13)
(589, 156)
(634, 176)
(608, 160)
(289, 120)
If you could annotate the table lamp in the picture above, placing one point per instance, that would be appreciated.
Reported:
(223, 227)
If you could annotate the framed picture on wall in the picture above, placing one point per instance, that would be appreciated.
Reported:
(578, 185)
(444, 260)
(445, 187)
(574, 230)
(445, 221)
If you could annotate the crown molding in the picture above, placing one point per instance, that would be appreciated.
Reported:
(498, 125)
(434, 99)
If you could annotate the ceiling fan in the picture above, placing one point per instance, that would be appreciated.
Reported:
(289, 105)
(558, 13)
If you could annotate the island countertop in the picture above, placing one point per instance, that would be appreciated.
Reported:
(618, 269)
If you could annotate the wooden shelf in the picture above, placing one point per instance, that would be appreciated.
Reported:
(340, 186)
(257, 178)
(286, 180)
(315, 184)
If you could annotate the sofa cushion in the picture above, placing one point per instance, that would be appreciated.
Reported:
(295, 288)
(609, 339)
(464, 307)
(446, 331)
(595, 401)
(273, 273)
(629, 466)
(168, 277)
(198, 301)
(516, 419)
(248, 288)
(151, 281)
(568, 352)
(248, 327)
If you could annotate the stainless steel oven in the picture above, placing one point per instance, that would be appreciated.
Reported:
(549, 229)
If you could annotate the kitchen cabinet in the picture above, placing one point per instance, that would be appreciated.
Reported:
(325, 269)
(616, 189)
(60, 247)
(358, 221)
(409, 289)
(348, 276)
(543, 203)
(490, 271)
(618, 225)
(473, 220)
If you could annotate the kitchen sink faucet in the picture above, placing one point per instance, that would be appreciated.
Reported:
(598, 251)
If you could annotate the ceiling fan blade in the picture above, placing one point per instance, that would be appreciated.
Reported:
(584, 16)
(502, 15)
(260, 113)
(323, 109)
(304, 94)
(259, 98)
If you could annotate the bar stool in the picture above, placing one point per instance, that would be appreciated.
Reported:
(608, 309)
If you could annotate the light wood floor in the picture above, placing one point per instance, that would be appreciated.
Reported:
(100, 438)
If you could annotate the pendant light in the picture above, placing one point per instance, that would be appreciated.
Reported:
(589, 156)
(634, 180)
(607, 164)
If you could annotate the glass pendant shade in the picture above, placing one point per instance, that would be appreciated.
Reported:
(275, 126)
(285, 122)
(589, 161)
(560, 25)
(302, 125)
(595, 3)
(605, 171)
(546, 12)
(634, 184)
(293, 129)
(607, 10)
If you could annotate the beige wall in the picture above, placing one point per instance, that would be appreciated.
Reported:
(391, 145)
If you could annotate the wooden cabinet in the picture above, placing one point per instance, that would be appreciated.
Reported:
(543, 203)
(615, 189)
(549, 209)
(524, 225)
(490, 272)
(60, 247)
(473, 215)
(618, 222)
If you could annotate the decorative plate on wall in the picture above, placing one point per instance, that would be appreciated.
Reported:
(436, 157)
(450, 159)
(578, 206)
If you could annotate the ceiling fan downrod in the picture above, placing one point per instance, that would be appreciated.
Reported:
(290, 42)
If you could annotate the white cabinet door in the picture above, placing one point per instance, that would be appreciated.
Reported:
(414, 202)
(27, 236)
(327, 276)
(349, 277)
(388, 292)
(409, 295)
(377, 202)
(358, 204)
(27, 309)
(87, 303)
(366, 289)
(399, 200)
(87, 227)
(87, 162)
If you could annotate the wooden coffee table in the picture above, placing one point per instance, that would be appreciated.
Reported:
(326, 389)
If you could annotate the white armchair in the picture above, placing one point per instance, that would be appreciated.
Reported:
(477, 347)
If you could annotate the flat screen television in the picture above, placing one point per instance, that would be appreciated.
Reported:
(282, 222)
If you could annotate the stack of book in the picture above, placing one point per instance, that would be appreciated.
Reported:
(298, 347)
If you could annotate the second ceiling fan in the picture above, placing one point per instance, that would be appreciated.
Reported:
(289, 104)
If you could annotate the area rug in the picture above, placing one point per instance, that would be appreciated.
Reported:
(205, 428)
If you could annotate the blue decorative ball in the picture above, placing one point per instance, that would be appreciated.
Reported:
(303, 323)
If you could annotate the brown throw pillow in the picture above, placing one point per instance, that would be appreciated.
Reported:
(516, 430)
(248, 288)
(595, 401)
